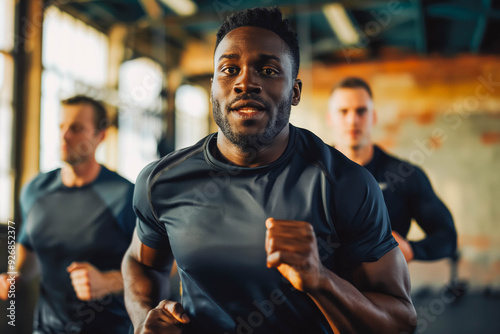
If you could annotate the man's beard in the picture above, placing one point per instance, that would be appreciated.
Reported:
(82, 153)
(250, 142)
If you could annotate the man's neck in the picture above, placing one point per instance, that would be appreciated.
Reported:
(360, 155)
(80, 174)
(253, 157)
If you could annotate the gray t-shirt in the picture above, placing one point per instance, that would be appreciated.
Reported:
(212, 217)
(93, 223)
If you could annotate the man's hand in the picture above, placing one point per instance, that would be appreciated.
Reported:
(404, 246)
(166, 318)
(291, 248)
(90, 283)
(5, 282)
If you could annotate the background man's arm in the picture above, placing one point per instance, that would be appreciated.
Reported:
(91, 283)
(434, 218)
(27, 268)
(146, 274)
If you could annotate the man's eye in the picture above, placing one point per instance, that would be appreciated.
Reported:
(229, 70)
(269, 71)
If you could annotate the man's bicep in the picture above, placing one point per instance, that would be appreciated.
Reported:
(389, 276)
(156, 258)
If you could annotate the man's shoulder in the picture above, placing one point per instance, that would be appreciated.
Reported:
(42, 182)
(333, 163)
(388, 160)
(311, 146)
(39, 186)
(171, 161)
(403, 168)
(172, 166)
(109, 175)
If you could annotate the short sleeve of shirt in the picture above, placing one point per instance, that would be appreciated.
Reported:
(23, 238)
(150, 231)
(126, 217)
(363, 221)
(25, 202)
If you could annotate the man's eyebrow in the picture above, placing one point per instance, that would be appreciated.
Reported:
(264, 56)
(229, 56)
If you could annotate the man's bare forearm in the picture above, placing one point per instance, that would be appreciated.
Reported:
(115, 281)
(349, 310)
(144, 288)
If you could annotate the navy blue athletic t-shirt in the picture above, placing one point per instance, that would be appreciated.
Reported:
(212, 216)
(93, 223)
(409, 195)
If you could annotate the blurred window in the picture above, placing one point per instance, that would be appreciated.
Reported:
(191, 115)
(7, 14)
(74, 59)
(140, 120)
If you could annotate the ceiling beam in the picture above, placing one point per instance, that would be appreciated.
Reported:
(482, 20)
(420, 31)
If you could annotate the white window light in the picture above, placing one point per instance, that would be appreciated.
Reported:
(6, 24)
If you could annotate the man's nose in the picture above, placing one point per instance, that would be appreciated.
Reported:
(247, 82)
(352, 117)
(64, 133)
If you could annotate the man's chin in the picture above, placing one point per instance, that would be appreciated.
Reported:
(355, 145)
(74, 161)
(246, 140)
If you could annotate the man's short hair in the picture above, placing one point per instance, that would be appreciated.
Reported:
(101, 121)
(353, 82)
(267, 18)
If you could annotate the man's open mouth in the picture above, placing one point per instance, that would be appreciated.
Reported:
(248, 109)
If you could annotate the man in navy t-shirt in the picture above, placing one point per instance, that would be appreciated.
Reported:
(77, 224)
(272, 230)
(407, 191)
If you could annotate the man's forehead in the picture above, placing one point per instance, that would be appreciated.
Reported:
(78, 111)
(351, 97)
(351, 94)
(237, 41)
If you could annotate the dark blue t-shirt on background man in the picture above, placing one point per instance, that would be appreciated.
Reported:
(408, 195)
(212, 215)
(92, 223)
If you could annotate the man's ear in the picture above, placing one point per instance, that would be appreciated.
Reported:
(374, 117)
(297, 90)
(102, 135)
